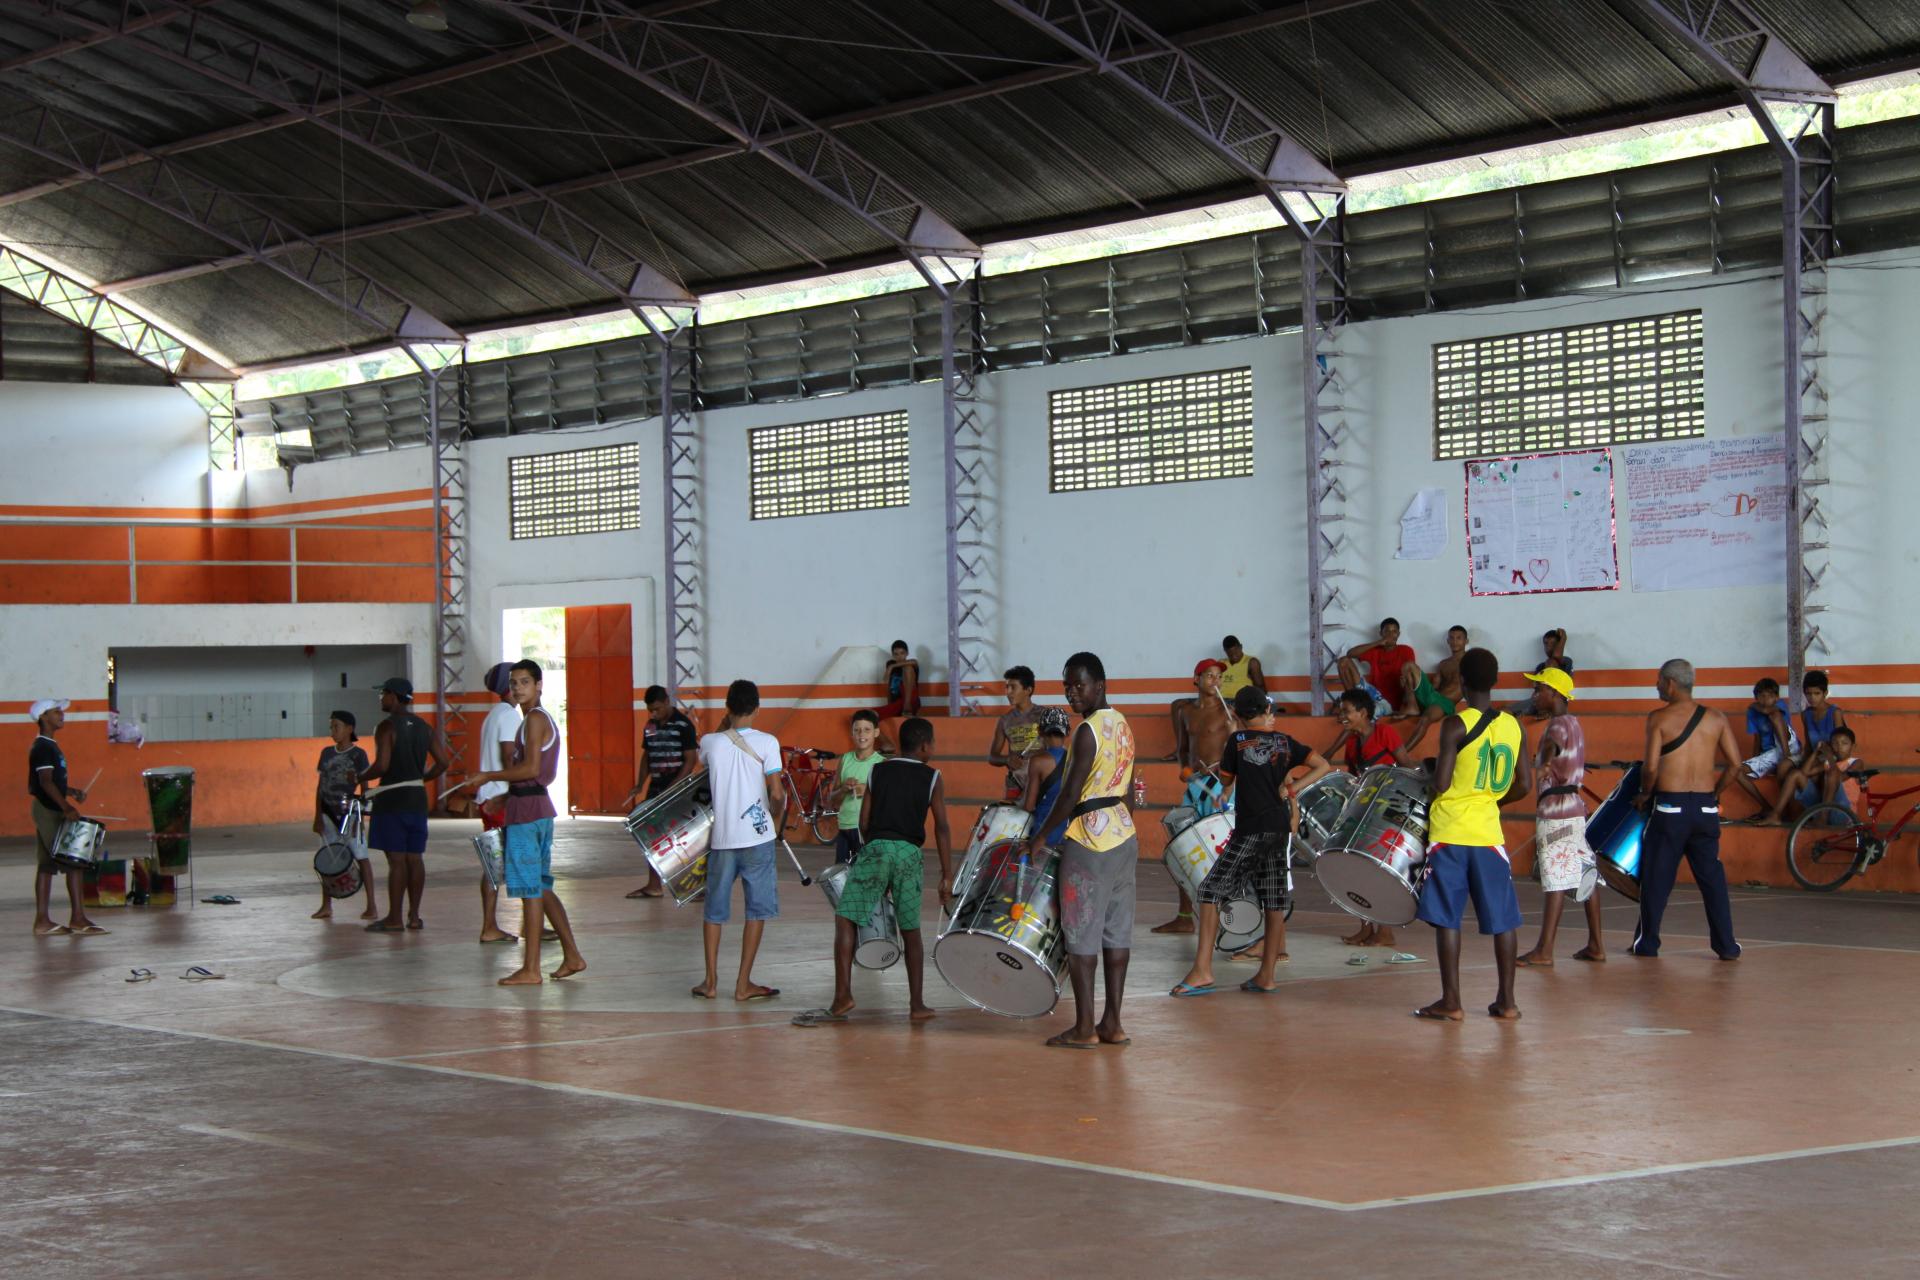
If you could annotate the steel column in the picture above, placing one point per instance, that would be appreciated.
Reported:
(972, 525)
(441, 366)
(683, 526)
(216, 399)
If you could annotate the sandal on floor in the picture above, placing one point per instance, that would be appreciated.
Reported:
(222, 900)
(1357, 961)
(200, 973)
(141, 975)
(817, 1017)
(1403, 957)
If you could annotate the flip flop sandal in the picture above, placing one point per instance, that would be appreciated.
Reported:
(1403, 957)
(200, 973)
(1181, 991)
(1248, 985)
(1357, 961)
(818, 1017)
(768, 994)
(141, 975)
(222, 900)
(506, 937)
(549, 935)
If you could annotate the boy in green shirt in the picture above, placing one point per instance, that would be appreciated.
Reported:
(850, 784)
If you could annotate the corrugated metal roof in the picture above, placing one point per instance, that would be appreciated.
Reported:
(1035, 144)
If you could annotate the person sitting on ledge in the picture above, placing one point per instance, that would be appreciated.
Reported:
(1775, 744)
(1381, 670)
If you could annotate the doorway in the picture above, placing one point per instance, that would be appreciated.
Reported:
(600, 754)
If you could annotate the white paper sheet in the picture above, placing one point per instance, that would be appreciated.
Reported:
(1423, 526)
(1708, 513)
(1541, 522)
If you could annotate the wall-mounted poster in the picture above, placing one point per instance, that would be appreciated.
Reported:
(1708, 513)
(1541, 522)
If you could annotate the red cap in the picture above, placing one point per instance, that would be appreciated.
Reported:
(1200, 668)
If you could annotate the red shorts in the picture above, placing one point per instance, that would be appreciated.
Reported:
(488, 819)
(900, 707)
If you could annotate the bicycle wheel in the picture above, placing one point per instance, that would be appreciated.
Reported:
(826, 826)
(1826, 848)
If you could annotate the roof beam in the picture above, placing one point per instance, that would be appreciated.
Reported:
(211, 209)
(135, 15)
(230, 56)
(85, 306)
(101, 33)
(706, 155)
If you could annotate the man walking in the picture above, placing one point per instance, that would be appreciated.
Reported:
(747, 814)
(1684, 741)
(403, 746)
(52, 805)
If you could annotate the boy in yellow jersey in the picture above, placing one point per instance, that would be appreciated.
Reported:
(1481, 766)
(1097, 854)
(1242, 671)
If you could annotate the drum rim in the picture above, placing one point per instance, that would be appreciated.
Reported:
(982, 1005)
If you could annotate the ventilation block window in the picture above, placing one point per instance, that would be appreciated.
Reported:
(580, 491)
(1620, 382)
(839, 464)
(1197, 426)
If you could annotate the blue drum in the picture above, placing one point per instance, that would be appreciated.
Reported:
(1614, 832)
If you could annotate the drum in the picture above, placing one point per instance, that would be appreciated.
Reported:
(673, 831)
(1614, 832)
(339, 870)
(80, 843)
(1321, 806)
(491, 848)
(170, 801)
(1376, 856)
(1003, 950)
(998, 824)
(1191, 853)
(878, 943)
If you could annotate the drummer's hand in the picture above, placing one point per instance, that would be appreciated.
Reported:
(1642, 800)
(633, 798)
(946, 896)
(316, 826)
(79, 797)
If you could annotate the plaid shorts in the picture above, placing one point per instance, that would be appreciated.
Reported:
(1256, 860)
(884, 867)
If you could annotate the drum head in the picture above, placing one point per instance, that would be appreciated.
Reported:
(1589, 881)
(877, 953)
(1366, 887)
(993, 974)
(1618, 879)
(1241, 918)
(333, 857)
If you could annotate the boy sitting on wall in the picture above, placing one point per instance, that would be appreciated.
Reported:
(1775, 744)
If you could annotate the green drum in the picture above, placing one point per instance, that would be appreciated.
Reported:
(170, 798)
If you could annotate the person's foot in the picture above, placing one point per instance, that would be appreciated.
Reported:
(324, 913)
(1380, 938)
(1735, 956)
(1111, 1033)
(384, 925)
(1440, 1011)
(920, 1013)
(415, 922)
(1535, 959)
(568, 968)
(522, 978)
(1358, 938)
(497, 935)
(754, 991)
(371, 913)
(1592, 953)
(649, 891)
(84, 928)
(704, 991)
(48, 929)
(1067, 1040)
(1182, 923)
(1504, 1012)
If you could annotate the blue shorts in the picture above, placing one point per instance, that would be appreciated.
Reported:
(1456, 872)
(527, 849)
(1381, 707)
(398, 833)
(753, 868)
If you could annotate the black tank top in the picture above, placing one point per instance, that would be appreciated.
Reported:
(406, 762)
(902, 791)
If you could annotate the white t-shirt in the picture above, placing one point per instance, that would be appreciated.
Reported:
(502, 723)
(741, 818)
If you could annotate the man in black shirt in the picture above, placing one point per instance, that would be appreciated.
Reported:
(52, 805)
(1259, 761)
(404, 744)
(672, 748)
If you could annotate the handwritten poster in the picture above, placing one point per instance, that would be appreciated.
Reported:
(1423, 526)
(1541, 522)
(1708, 513)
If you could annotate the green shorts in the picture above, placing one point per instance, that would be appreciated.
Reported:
(1428, 696)
(884, 867)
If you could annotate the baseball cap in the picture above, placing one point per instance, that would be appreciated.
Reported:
(346, 718)
(1200, 667)
(497, 678)
(400, 687)
(1555, 679)
(45, 705)
(1055, 721)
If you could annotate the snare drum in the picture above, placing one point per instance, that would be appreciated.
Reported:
(1376, 855)
(1004, 950)
(338, 869)
(878, 944)
(80, 843)
(1191, 853)
(998, 824)
(1614, 832)
(1321, 806)
(491, 848)
(673, 831)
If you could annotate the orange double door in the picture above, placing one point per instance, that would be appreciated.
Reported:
(600, 738)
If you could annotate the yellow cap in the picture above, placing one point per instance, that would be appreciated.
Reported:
(1555, 679)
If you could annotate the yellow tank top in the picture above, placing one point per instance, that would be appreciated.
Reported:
(1112, 773)
(1235, 677)
(1468, 811)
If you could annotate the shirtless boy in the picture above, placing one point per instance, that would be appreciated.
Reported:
(1200, 729)
(1681, 787)
(1436, 699)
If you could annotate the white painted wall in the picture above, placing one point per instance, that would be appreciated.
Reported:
(86, 444)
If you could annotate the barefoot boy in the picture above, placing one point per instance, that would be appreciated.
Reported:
(893, 820)
(1775, 744)
(1560, 819)
(340, 767)
(1367, 742)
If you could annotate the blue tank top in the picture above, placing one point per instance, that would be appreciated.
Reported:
(1818, 731)
(1059, 829)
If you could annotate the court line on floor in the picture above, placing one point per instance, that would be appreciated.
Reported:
(1081, 1166)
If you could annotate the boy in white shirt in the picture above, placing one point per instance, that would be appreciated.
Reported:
(747, 816)
(502, 723)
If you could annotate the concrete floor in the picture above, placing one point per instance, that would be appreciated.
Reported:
(343, 1100)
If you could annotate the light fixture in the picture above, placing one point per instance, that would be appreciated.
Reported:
(428, 15)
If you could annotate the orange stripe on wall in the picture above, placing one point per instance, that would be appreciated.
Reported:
(162, 542)
(319, 546)
(222, 513)
(397, 585)
(63, 542)
(63, 584)
(215, 584)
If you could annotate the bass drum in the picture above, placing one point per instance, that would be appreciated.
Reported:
(1614, 833)
(1003, 949)
(673, 831)
(1321, 806)
(1191, 853)
(998, 824)
(338, 869)
(1376, 856)
(877, 945)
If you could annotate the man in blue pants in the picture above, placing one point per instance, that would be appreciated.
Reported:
(1678, 781)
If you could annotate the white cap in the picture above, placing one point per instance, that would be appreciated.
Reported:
(45, 705)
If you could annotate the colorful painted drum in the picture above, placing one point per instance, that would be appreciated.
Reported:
(1376, 858)
(1614, 833)
(170, 801)
(878, 943)
(1003, 949)
(1191, 853)
(105, 883)
(491, 848)
(80, 843)
(673, 831)
(338, 869)
(999, 824)
(1321, 806)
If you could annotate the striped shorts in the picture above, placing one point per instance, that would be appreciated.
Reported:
(1256, 861)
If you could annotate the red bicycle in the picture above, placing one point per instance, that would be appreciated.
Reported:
(808, 786)
(1830, 844)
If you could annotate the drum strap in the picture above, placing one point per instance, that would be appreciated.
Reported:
(1486, 723)
(1564, 789)
(1699, 714)
(1097, 802)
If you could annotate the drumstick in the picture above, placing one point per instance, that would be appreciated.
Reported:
(805, 879)
(90, 781)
